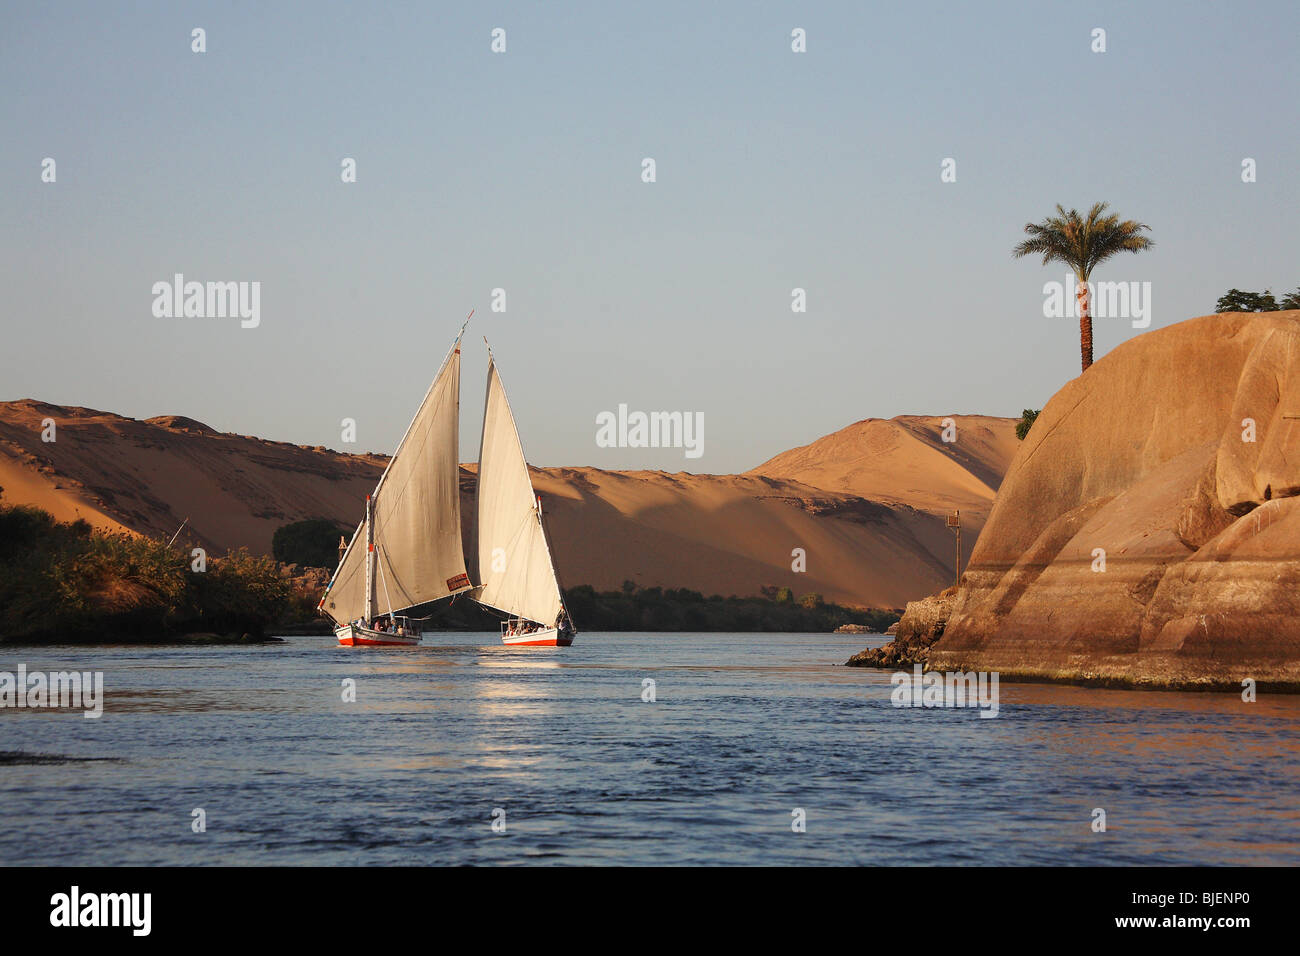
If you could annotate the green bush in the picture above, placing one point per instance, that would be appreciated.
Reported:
(67, 582)
(1235, 300)
(1027, 419)
(313, 543)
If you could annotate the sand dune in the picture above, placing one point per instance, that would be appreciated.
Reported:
(866, 541)
(149, 476)
(905, 461)
(732, 534)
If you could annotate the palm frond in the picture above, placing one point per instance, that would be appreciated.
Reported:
(1082, 241)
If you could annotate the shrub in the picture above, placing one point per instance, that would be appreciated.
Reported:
(65, 581)
(1027, 419)
(313, 543)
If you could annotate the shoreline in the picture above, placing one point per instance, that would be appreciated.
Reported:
(1209, 685)
(197, 639)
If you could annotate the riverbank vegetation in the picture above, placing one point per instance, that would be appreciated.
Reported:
(67, 582)
(679, 609)
(314, 543)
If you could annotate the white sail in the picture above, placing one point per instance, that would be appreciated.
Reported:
(345, 598)
(514, 559)
(419, 556)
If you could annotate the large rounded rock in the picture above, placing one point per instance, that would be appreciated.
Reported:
(1147, 530)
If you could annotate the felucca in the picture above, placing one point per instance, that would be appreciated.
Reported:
(514, 559)
(408, 551)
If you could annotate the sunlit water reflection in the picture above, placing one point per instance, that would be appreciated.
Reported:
(745, 729)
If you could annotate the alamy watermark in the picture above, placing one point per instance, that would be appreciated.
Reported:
(651, 430)
(208, 300)
(76, 908)
(82, 690)
(949, 689)
(1108, 300)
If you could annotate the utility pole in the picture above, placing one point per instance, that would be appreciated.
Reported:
(954, 522)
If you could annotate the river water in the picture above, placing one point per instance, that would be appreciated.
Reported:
(748, 736)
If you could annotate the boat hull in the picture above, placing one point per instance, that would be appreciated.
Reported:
(546, 637)
(354, 635)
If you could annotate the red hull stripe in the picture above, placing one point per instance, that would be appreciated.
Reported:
(366, 642)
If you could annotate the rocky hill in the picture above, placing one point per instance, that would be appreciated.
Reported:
(1148, 531)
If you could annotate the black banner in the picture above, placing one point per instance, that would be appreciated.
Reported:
(334, 905)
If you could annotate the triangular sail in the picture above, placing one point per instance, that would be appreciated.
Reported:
(418, 551)
(345, 597)
(513, 557)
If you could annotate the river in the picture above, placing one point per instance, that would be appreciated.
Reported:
(756, 749)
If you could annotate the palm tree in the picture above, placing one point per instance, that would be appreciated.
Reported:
(1081, 242)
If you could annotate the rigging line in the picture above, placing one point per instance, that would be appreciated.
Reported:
(529, 571)
(550, 556)
(343, 562)
(424, 438)
(178, 531)
(338, 572)
(405, 592)
(401, 489)
(408, 594)
(514, 427)
(383, 579)
(338, 578)
(454, 350)
(342, 580)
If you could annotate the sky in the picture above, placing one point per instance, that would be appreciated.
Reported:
(522, 170)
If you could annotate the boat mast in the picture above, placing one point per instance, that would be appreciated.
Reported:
(370, 560)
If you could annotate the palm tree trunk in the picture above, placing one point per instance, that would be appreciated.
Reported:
(1085, 322)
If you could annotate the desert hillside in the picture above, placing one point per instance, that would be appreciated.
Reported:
(149, 476)
(1149, 528)
(865, 542)
(732, 534)
(905, 461)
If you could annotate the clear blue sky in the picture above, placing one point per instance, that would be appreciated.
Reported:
(522, 170)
